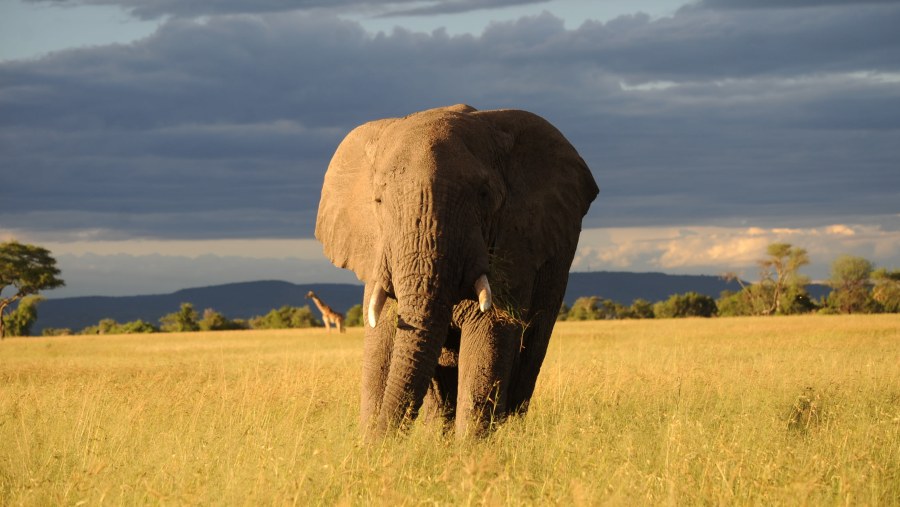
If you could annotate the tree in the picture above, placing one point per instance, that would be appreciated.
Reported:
(354, 316)
(690, 304)
(29, 269)
(781, 288)
(184, 320)
(887, 289)
(19, 321)
(850, 284)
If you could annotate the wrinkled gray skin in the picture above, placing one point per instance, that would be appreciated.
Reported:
(422, 206)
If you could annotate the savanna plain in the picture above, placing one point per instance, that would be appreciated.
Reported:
(789, 410)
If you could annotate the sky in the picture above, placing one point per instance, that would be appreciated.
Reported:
(153, 145)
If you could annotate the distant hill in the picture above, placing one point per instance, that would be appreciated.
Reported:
(624, 287)
(249, 299)
(235, 300)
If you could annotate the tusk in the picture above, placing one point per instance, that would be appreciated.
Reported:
(376, 303)
(483, 289)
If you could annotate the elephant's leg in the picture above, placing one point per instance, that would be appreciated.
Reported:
(378, 344)
(548, 293)
(440, 401)
(488, 349)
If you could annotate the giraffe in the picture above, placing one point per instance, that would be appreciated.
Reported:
(329, 316)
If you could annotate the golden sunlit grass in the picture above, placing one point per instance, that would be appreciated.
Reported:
(737, 411)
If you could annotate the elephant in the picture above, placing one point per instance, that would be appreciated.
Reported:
(462, 224)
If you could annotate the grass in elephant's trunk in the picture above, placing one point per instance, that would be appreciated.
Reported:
(505, 305)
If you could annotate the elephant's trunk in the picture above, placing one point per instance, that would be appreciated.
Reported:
(430, 268)
(417, 347)
(424, 275)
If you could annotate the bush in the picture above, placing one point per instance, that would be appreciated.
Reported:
(136, 327)
(354, 316)
(56, 331)
(110, 326)
(735, 304)
(597, 308)
(19, 321)
(690, 304)
(641, 309)
(286, 317)
(215, 321)
(584, 308)
(184, 320)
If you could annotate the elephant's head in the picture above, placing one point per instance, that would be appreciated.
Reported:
(418, 207)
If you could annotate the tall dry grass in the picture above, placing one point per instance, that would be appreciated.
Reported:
(735, 411)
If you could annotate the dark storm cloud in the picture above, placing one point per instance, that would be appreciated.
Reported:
(155, 9)
(457, 6)
(702, 45)
(224, 128)
(788, 4)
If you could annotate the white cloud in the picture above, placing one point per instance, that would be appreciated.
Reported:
(648, 86)
(840, 230)
(713, 250)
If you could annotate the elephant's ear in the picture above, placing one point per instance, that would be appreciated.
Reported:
(345, 223)
(549, 189)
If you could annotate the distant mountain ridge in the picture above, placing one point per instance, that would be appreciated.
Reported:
(624, 287)
(242, 300)
(249, 299)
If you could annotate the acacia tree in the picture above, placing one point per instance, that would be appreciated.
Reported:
(28, 269)
(780, 282)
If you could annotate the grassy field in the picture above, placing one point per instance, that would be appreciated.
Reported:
(726, 411)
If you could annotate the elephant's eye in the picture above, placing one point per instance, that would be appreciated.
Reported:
(378, 200)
